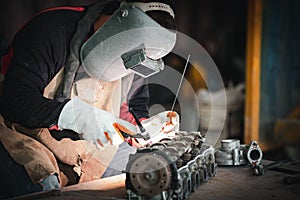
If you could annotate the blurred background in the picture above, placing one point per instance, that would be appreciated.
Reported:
(254, 43)
(219, 26)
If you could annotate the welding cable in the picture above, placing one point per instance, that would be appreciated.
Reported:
(280, 163)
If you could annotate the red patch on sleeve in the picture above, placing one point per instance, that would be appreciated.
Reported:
(6, 61)
(54, 127)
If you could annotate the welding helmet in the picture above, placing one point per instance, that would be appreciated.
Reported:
(129, 42)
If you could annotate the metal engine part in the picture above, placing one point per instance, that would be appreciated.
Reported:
(150, 172)
(232, 153)
(170, 169)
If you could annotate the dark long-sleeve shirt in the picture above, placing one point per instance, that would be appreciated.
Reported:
(38, 51)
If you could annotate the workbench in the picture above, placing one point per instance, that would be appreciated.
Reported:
(229, 183)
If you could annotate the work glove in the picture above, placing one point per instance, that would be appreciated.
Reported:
(162, 125)
(95, 125)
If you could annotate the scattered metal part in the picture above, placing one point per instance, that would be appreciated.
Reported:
(254, 157)
(170, 171)
(232, 153)
(258, 169)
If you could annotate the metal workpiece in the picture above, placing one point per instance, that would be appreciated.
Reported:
(230, 144)
(170, 169)
(150, 173)
(254, 153)
(254, 157)
(195, 172)
(232, 153)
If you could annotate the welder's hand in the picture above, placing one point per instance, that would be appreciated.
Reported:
(92, 124)
(129, 136)
(161, 124)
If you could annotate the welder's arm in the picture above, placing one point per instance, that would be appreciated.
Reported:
(137, 99)
(37, 54)
(22, 98)
(95, 125)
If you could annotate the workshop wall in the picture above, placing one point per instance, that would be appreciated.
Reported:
(220, 27)
(280, 74)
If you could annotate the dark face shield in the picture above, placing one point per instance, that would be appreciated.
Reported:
(130, 41)
(138, 62)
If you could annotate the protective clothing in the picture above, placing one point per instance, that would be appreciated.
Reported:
(42, 155)
(36, 152)
(130, 41)
(23, 102)
(92, 124)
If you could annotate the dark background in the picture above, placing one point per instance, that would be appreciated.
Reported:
(218, 25)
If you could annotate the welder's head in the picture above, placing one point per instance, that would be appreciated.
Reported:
(134, 40)
(161, 16)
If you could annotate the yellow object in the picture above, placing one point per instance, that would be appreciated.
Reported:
(254, 34)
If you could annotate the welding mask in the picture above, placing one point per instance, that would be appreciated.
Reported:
(129, 42)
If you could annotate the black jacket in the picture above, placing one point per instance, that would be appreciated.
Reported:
(38, 51)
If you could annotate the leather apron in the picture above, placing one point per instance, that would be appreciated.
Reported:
(42, 155)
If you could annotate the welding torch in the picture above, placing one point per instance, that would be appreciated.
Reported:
(144, 134)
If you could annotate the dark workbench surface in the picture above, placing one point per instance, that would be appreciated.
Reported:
(241, 183)
(229, 183)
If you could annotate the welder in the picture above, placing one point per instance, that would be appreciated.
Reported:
(71, 73)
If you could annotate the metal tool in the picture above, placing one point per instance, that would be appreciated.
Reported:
(179, 86)
(144, 134)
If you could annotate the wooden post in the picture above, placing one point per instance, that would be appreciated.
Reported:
(254, 36)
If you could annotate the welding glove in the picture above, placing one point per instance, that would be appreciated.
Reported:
(94, 125)
(161, 125)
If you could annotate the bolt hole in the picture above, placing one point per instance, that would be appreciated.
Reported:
(254, 154)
